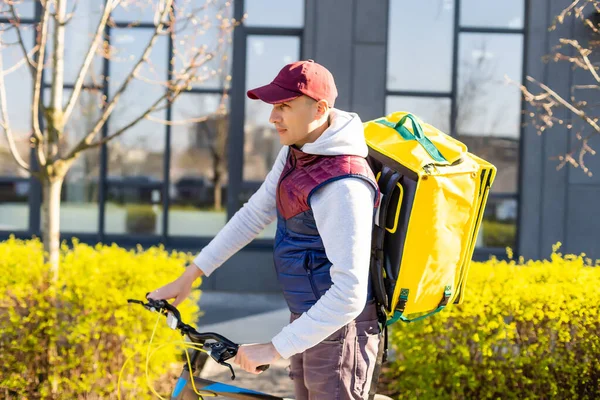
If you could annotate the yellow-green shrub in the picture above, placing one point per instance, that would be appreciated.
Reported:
(93, 326)
(525, 331)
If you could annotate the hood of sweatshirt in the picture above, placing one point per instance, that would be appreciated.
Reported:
(344, 136)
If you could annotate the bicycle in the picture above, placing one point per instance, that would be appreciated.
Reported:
(189, 385)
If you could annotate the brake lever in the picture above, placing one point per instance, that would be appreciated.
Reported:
(221, 352)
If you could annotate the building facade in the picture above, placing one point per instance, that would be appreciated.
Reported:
(455, 63)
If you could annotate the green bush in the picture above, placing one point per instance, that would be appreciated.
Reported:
(93, 327)
(525, 331)
(141, 218)
(498, 233)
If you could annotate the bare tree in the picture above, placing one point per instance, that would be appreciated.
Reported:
(212, 135)
(185, 22)
(546, 101)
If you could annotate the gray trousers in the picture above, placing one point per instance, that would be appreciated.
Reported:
(341, 366)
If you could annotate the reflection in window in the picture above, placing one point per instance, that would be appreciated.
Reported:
(489, 109)
(15, 181)
(434, 111)
(199, 29)
(247, 190)
(492, 13)
(198, 171)
(135, 11)
(266, 56)
(420, 45)
(79, 33)
(79, 209)
(269, 13)
(136, 158)
(138, 151)
(502, 152)
(25, 9)
(499, 225)
(487, 104)
(14, 206)
(19, 86)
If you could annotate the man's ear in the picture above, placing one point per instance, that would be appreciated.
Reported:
(322, 108)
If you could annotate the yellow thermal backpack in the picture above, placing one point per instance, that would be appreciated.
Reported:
(433, 196)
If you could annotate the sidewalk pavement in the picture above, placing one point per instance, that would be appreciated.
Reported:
(248, 318)
(256, 319)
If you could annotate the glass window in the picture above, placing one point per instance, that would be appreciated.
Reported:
(501, 152)
(138, 151)
(135, 11)
(136, 159)
(79, 208)
(285, 14)
(198, 171)
(266, 55)
(489, 109)
(25, 9)
(499, 225)
(79, 33)
(19, 86)
(265, 58)
(492, 13)
(432, 110)
(420, 45)
(14, 206)
(487, 104)
(199, 30)
(15, 181)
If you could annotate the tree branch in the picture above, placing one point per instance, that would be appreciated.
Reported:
(110, 137)
(15, 67)
(178, 122)
(566, 104)
(6, 123)
(86, 141)
(37, 89)
(585, 55)
(87, 61)
(169, 95)
(32, 64)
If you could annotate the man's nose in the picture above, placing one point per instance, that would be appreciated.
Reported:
(274, 117)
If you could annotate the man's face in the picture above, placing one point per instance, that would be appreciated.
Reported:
(293, 120)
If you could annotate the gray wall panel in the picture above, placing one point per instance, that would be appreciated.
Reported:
(583, 221)
(582, 77)
(368, 89)
(556, 142)
(333, 44)
(368, 27)
(532, 174)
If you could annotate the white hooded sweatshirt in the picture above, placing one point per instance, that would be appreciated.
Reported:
(343, 212)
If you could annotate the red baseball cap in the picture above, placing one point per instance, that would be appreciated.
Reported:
(296, 79)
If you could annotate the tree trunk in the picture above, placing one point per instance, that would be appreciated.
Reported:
(218, 193)
(51, 224)
(51, 238)
(217, 184)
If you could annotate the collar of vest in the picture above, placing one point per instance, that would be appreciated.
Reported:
(301, 157)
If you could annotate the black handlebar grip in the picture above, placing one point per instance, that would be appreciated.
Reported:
(263, 367)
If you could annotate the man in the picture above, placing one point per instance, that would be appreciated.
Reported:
(323, 194)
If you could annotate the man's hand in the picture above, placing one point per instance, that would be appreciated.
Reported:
(251, 356)
(180, 288)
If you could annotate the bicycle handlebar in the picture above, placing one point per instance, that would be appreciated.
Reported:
(221, 350)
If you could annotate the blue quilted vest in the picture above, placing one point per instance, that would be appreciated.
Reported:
(300, 261)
